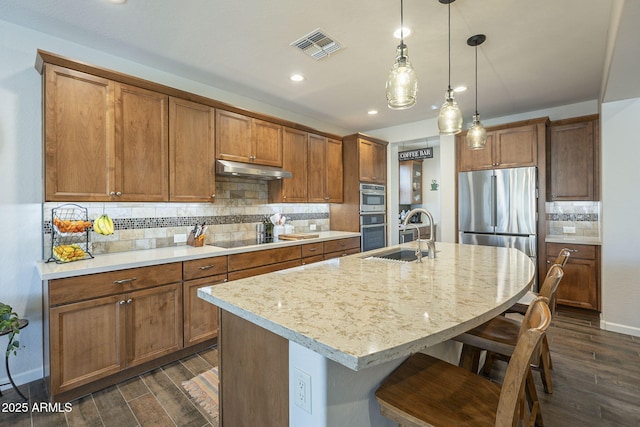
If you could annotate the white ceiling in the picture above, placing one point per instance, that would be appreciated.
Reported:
(538, 54)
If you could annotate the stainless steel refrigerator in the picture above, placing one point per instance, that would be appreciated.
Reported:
(498, 208)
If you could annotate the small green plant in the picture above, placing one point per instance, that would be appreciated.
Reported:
(9, 322)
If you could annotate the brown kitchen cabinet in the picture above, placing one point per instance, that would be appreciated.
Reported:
(249, 264)
(200, 316)
(79, 135)
(410, 182)
(580, 285)
(246, 139)
(294, 160)
(573, 159)
(325, 171)
(372, 161)
(101, 324)
(312, 252)
(515, 145)
(341, 247)
(104, 141)
(191, 152)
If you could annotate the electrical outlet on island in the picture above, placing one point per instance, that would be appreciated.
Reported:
(302, 389)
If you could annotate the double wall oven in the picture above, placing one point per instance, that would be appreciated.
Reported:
(373, 221)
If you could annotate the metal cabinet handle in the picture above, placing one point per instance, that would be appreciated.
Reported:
(122, 281)
(117, 193)
(122, 302)
(129, 301)
(206, 267)
(313, 249)
(213, 195)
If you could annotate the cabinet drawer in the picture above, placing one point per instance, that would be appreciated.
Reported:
(341, 244)
(204, 267)
(312, 259)
(89, 286)
(339, 254)
(311, 249)
(249, 272)
(260, 258)
(577, 251)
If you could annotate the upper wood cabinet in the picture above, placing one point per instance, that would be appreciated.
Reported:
(573, 151)
(79, 135)
(294, 160)
(325, 172)
(191, 152)
(372, 161)
(141, 155)
(515, 146)
(245, 139)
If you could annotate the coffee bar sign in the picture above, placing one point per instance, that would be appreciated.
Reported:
(422, 153)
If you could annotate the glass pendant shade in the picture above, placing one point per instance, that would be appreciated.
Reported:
(402, 84)
(476, 135)
(450, 117)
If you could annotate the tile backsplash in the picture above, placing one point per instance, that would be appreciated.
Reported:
(240, 204)
(581, 217)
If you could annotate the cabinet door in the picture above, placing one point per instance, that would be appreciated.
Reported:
(200, 316)
(142, 145)
(379, 164)
(86, 342)
(578, 287)
(334, 172)
(191, 152)
(79, 136)
(294, 152)
(366, 155)
(266, 147)
(316, 170)
(516, 147)
(472, 160)
(572, 155)
(154, 323)
(233, 136)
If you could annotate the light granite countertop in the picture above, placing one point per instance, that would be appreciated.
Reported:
(132, 259)
(362, 311)
(578, 240)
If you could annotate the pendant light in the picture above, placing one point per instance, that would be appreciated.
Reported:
(477, 134)
(450, 117)
(402, 84)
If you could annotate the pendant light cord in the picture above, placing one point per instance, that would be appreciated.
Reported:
(449, 7)
(402, 22)
(476, 80)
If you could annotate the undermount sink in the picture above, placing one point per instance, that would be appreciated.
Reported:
(407, 255)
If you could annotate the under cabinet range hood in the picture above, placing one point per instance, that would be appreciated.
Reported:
(248, 170)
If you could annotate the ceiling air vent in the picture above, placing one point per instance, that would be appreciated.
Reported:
(317, 44)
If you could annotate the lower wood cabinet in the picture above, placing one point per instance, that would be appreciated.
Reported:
(260, 262)
(341, 247)
(580, 285)
(99, 325)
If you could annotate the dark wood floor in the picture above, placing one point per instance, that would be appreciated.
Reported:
(596, 380)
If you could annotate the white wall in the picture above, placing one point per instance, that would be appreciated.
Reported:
(620, 204)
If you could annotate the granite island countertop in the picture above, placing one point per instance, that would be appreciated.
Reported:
(362, 311)
(142, 258)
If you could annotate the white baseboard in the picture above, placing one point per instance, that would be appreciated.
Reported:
(21, 378)
(616, 327)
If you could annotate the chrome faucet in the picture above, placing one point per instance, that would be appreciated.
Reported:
(431, 246)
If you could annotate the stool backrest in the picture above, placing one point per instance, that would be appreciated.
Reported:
(563, 257)
(512, 393)
(550, 285)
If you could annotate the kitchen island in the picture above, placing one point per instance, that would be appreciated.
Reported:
(326, 334)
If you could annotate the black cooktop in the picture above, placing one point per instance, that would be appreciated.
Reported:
(238, 243)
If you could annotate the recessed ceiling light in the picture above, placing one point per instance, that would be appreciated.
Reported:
(372, 112)
(407, 32)
(296, 77)
(460, 89)
(117, 1)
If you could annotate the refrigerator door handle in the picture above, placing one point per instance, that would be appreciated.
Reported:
(494, 209)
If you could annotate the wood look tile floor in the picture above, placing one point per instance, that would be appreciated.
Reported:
(596, 381)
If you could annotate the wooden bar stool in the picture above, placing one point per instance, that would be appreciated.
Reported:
(499, 336)
(425, 391)
(523, 303)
